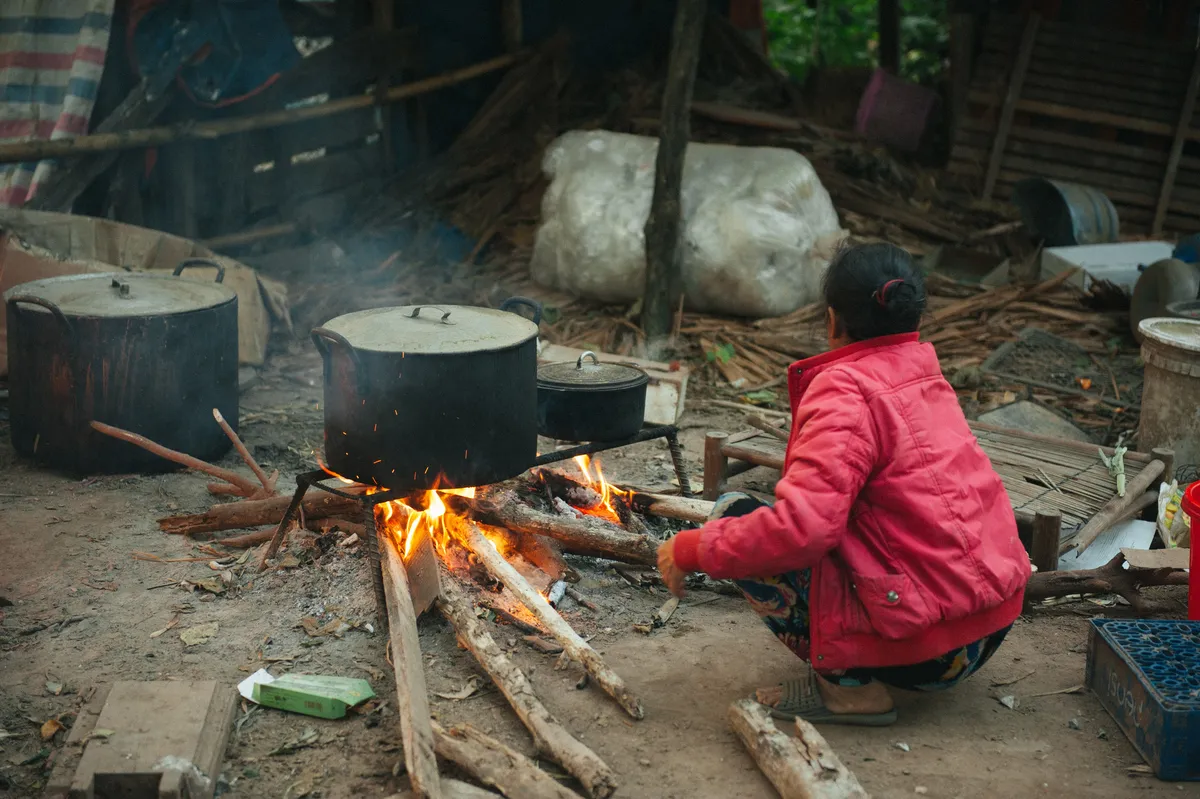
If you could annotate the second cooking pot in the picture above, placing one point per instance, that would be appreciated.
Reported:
(590, 401)
(150, 353)
(423, 396)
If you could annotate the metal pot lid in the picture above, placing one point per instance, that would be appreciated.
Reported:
(594, 375)
(121, 294)
(433, 329)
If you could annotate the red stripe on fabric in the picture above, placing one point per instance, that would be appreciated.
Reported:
(27, 128)
(73, 124)
(25, 59)
(13, 196)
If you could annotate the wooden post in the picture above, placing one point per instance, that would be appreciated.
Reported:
(962, 57)
(1167, 456)
(384, 13)
(664, 224)
(715, 465)
(512, 23)
(412, 698)
(1016, 83)
(1182, 128)
(1047, 527)
(889, 35)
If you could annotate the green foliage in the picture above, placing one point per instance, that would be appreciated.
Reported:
(845, 33)
(722, 354)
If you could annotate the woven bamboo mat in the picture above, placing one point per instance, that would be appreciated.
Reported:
(1040, 474)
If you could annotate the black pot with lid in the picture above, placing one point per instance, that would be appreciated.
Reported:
(150, 353)
(422, 396)
(590, 401)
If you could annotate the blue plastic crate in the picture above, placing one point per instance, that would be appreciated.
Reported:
(1147, 676)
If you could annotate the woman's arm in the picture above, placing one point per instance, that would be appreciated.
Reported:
(828, 461)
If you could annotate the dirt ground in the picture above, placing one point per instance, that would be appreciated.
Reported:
(85, 612)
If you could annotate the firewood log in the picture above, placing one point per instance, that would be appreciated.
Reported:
(550, 737)
(256, 513)
(496, 765)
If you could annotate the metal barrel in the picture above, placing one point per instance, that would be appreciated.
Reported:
(1066, 214)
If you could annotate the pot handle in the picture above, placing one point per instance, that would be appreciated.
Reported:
(595, 360)
(444, 312)
(54, 310)
(533, 305)
(186, 262)
(321, 336)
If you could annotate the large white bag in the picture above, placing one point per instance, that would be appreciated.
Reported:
(758, 226)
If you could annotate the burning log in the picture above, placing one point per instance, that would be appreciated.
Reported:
(496, 765)
(570, 490)
(804, 767)
(550, 737)
(574, 646)
(256, 513)
(412, 697)
(588, 536)
(183, 459)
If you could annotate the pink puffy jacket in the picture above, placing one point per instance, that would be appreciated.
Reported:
(888, 497)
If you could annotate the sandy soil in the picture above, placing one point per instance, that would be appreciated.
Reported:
(68, 567)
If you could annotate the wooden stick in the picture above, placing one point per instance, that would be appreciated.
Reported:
(454, 789)
(225, 490)
(588, 535)
(248, 540)
(1111, 578)
(255, 513)
(268, 483)
(496, 765)
(1116, 507)
(1182, 127)
(16, 152)
(181, 458)
(759, 423)
(412, 697)
(576, 648)
(550, 737)
(802, 768)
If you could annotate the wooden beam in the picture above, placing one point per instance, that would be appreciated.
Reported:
(1015, 83)
(412, 697)
(716, 464)
(664, 223)
(889, 35)
(1047, 529)
(15, 152)
(1116, 507)
(1181, 132)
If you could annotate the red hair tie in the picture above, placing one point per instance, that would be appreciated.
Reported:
(881, 293)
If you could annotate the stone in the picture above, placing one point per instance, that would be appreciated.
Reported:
(1029, 417)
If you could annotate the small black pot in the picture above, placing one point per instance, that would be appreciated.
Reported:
(590, 402)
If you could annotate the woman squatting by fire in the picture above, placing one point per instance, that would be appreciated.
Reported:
(890, 557)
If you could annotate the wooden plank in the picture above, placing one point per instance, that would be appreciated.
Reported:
(993, 68)
(346, 131)
(1181, 130)
(1060, 111)
(1011, 100)
(1047, 529)
(318, 176)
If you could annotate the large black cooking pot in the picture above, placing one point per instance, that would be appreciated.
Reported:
(423, 396)
(153, 354)
(594, 401)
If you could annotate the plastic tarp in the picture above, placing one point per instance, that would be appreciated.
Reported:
(758, 226)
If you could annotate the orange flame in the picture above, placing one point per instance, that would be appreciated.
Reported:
(594, 478)
(331, 472)
(406, 523)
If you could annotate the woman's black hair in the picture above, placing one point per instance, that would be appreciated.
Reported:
(875, 290)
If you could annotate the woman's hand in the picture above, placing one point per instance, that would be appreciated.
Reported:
(671, 574)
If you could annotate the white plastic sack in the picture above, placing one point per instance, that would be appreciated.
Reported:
(758, 226)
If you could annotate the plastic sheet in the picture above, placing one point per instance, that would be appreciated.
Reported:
(758, 226)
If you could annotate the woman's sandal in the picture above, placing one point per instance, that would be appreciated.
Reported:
(802, 698)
